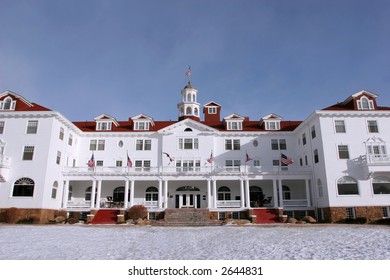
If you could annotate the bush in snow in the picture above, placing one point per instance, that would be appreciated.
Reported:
(137, 212)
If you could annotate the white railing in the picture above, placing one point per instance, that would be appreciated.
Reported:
(295, 202)
(151, 204)
(228, 203)
(5, 161)
(381, 158)
(78, 204)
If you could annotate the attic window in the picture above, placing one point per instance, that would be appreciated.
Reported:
(8, 104)
(212, 110)
(188, 129)
(141, 125)
(272, 125)
(234, 125)
(365, 104)
(103, 125)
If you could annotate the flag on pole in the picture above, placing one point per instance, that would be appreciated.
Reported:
(210, 159)
(170, 158)
(91, 162)
(188, 72)
(285, 160)
(248, 158)
(129, 162)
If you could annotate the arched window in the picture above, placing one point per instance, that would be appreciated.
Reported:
(365, 104)
(23, 187)
(286, 193)
(381, 185)
(119, 194)
(54, 190)
(347, 186)
(188, 97)
(151, 194)
(7, 103)
(88, 194)
(320, 189)
(189, 111)
(224, 193)
(188, 129)
(196, 112)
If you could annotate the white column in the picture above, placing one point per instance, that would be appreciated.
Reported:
(165, 194)
(275, 192)
(209, 194)
(65, 194)
(308, 193)
(242, 193)
(247, 196)
(93, 192)
(99, 193)
(126, 199)
(280, 193)
(131, 193)
(215, 194)
(160, 196)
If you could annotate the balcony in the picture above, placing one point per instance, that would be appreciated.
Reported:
(228, 203)
(294, 202)
(376, 162)
(5, 165)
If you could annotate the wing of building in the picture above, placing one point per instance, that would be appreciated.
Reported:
(333, 165)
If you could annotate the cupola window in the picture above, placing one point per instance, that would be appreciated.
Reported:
(365, 104)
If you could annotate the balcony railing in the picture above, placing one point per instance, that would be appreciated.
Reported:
(378, 159)
(295, 202)
(228, 203)
(5, 161)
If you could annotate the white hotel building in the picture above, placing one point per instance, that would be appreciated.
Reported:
(341, 168)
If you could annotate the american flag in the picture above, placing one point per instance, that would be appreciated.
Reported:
(91, 162)
(248, 158)
(188, 72)
(285, 160)
(168, 156)
(210, 159)
(129, 162)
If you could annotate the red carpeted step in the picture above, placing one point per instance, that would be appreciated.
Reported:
(105, 217)
(266, 216)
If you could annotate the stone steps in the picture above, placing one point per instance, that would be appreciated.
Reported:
(187, 217)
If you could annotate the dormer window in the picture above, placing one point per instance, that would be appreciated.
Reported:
(141, 125)
(8, 104)
(212, 110)
(272, 125)
(365, 104)
(103, 125)
(234, 125)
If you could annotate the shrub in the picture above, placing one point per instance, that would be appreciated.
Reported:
(137, 212)
(29, 220)
(72, 221)
(11, 215)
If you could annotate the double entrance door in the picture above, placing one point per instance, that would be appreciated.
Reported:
(187, 200)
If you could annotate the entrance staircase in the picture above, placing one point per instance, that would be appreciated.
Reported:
(105, 217)
(187, 217)
(266, 216)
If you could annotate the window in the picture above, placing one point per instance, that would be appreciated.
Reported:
(232, 144)
(61, 135)
(272, 125)
(119, 194)
(70, 140)
(372, 126)
(347, 186)
(187, 165)
(306, 161)
(275, 162)
(141, 125)
(99, 163)
(151, 194)
(278, 144)
(23, 187)
(343, 152)
(32, 127)
(188, 144)
(381, 185)
(101, 145)
(300, 162)
(316, 158)
(118, 163)
(233, 165)
(286, 193)
(70, 193)
(365, 104)
(58, 158)
(224, 193)
(103, 125)
(28, 152)
(256, 162)
(313, 132)
(54, 190)
(143, 145)
(236, 215)
(8, 104)
(88, 194)
(320, 189)
(350, 213)
(385, 212)
(222, 216)
(304, 139)
(234, 125)
(339, 126)
(92, 145)
(212, 110)
(1, 127)
(142, 165)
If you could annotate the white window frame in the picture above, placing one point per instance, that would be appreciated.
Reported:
(32, 127)
(340, 124)
(142, 165)
(351, 213)
(70, 139)
(386, 212)
(234, 125)
(372, 126)
(28, 150)
(232, 144)
(2, 124)
(341, 152)
(188, 143)
(212, 110)
(62, 133)
(272, 125)
(141, 125)
(12, 104)
(233, 165)
(104, 125)
(58, 158)
(365, 104)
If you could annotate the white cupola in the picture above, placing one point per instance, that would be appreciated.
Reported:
(189, 107)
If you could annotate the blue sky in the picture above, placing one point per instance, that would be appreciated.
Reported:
(254, 57)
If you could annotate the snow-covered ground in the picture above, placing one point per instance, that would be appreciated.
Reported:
(123, 242)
